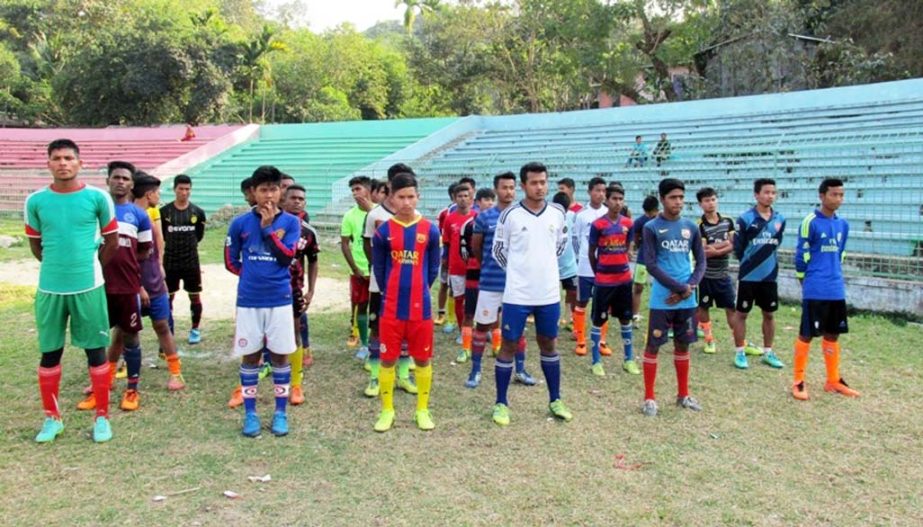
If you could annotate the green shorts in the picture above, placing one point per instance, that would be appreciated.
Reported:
(88, 314)
(640, 274)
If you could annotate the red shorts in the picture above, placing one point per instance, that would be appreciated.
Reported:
(418, 334)
(125, 311)
(358, 289)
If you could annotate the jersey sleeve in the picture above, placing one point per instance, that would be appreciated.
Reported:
(200, 226)
(501, 246)
(698, 253)
(232, 248)
(803, 246)
(283, 248)
(562, 235)
(740, 241)
(380, 248)
(433, 254)
(594, 235)
(105, 214)
(312, 248)
(32, 220)
(145, 232)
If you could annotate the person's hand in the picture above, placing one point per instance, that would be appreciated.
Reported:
(308, 296)
(687, 293)
(145, 298)
(266, 214)
(673, 299)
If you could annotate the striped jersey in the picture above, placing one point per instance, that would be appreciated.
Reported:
(713, 233)
(668, 245)
(527, 244)
(123, 271)
(580, 237)
(819, 256)
(493, 277)
(405, 261)
(451, 238)
(611, 240)
(756, 243)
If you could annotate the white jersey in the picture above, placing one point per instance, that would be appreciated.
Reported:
(580, 237)
(527, 246)
(373, 220)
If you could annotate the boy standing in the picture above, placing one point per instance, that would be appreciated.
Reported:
(716, 288)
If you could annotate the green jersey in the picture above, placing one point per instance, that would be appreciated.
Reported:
(352, 228)
(70, 225)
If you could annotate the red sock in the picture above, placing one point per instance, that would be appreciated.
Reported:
(521, 345)
(650, 374)
(460, 310)
(99, 378)
(681, 361)
(478, 342)
(49, 381)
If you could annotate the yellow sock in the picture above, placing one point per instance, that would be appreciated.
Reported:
(424, 376)
(295, 361)
(386, 376)
(450, 310)
(355, 318)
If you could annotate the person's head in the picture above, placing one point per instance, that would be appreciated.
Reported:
(147, 187)
(567, 186)
(596, 188)
(399, 168)
(64, 159)
(470, 183)
(650, 205)
(672, 195)
(533, 177)
(831, 193)
(266, 181)
(286, 182)
(246, 188)
(379, 191)
(452, 188)
(182, 188)
(463, 197)
(119, 176)
(562, 199)
(764, 190)
(615, 199)
(361, 187)
(485, 198)
(663, 136)
(505, 187)
(404, 195)
(293, 199)
(638, 139)
(708, 200)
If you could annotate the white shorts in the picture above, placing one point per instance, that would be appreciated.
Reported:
(457, 285)
(488, 310)
(273, 325)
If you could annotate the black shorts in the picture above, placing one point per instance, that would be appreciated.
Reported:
(611, 300)
(374, 310)
(125, 311)
(764, 294)
(819, 317)
(471, 302)
(681, 321)
(717, 292)
(569, 284)
(192, 280)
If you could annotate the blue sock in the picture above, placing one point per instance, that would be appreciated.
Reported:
(265, 355)
(551, 367)
(596, 337)
(475, 364)
(503, 372)
(282, 380)
(627, 342)
(133, 365)
(520, 358)
(374, 348)
(249, 380)
(305, 332)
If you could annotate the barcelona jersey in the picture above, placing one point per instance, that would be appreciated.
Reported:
(405, 261)
(611, 239)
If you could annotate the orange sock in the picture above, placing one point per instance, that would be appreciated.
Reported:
(802, 349)
(706, 327)
(113, 367)
(466, 338)
(831, 360)
(173, 364)
(603, 331)
(580, 325)
(496, 338)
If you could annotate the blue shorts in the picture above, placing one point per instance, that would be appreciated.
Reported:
(514, 320)
(159, 308)
(585, 288)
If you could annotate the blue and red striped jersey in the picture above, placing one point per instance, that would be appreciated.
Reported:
(611, 240)
(405, 260)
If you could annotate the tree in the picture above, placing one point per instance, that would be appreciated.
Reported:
(414, 8)
(255, 65)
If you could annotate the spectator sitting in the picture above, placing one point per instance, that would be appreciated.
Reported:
(662, 150)
(638, 155)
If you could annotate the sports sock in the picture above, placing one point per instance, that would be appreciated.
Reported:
(767, 351)
(195, 306)
(738, 349)
(650, 374)
(174, 365)
(450, 308)
(496, 338)
(403, 368)
(802, 352)
(580, 325)
(113, 367)
(99, 379)
(363, 322)
(503, 372)
(466, 338)
(831, 359)
(441, 312)
(424, 375)
(706, 327)
(281, 380)
(627, 342)
(551, 367)
(304, 330)
(520, 356)
(386, 390)
(595, 337)
(132, 356)
(249, 380)
(603, 332)
(374, 357)
(478, 343)
(49, 383)
(460, 310)
(295, 361)
(681, 363)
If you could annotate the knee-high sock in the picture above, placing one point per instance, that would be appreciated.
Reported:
(551, 367)
(295, 360)
(450, 307)
(681, 363)
(304, 330)
(374, 357)
(802, 352)
(603, 332)
(520, 356)
(424, 375)
(174, 364)
(478, 343)
(627, 342)
(580, 325)
(460, 310)
(249, 380)
(467, 335)
(282, 380)
(362, 321)
(99, 379)
(133, 365)
(503, 372)
(195, 306)
(706, 328)
(496, 339)
(386, 387)
(831, 359)
(650, 374)
(49, 383)
(595, 338)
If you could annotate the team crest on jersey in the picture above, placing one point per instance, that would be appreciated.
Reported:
(130, 218)
(421, 238)
(242, 343)
(686, 233)
(280, 233)
(657, 333)
(193, 219)
(778, 226)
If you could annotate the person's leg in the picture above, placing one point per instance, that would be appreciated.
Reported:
(685, 326)
(514, 323)
(584, 293)
(600, 314)
(89, 327)
(546, 330)
(372, 388)
(296, 365)
(834, 323)
(392, 335)
(419, 338)
(160, 319)
(51, 316)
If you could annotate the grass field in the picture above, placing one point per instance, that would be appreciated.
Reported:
(752, 457)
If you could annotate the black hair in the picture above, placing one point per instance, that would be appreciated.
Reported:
(761, 182)
(399, 168)
(595, 181)
(265, 174)
(614, 189)
(462, 187)
(61, 144)
(376, 185)
(669, 185)
(114, 165)
(637, 137)
(534, 167)
(503, 175)
(295, 186)
(143, 183)
(562, 199)
(182, 179)
(452, 188)
(246, 184)
(468, 181)
(650, 204)
(286, 176)
(567, 182)
(703, 193)
(828, 183)
(615, 183)
(485, 193)
(403, 180)
(365, 181)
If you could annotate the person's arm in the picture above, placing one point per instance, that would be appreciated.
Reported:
(803, 248)
(157, 227)
(33, 229)
(501, 248)
(109, 228)
(432, 256)
(35, 245)
(594, 245)
(311, 252)
(232, 247)
(200, 227)
(843, 243)
(379, 257)
(109, 248)
(282, 248)
(145, 236)
(740, 240)
(650, 261)
(477, 247)
(698, 252)
(346, 249)
(367, 236)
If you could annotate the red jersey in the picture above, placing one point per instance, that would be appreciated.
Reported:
(611, 239)
(405, 261)
(451, 237)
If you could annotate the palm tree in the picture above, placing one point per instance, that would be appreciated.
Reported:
(414, 8)
(254, 59)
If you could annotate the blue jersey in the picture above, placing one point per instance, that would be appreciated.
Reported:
(637, 234)
(493, 277)
(261, 257)
(668, 245)
(567, 262)
(755, 245)
(819, 256)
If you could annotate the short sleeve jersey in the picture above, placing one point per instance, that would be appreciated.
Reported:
(582, 235)
(819, 256)
(262, 258)
(306, 250)
(451, 237)
(493, 277)
(611, 239)
(182, 232)
(151, 277)
(673, 241)
(756, 243)
(406, 262)
(352, 227)
(713, 233)
(637, 235)
(123, 271)
(69, 225)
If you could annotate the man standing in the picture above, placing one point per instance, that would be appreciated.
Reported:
(183, 229)
(352, 247)
(716, 288)
(451, 240)
(529, 238)
(63, 223)
(580, 237)
(651, 208)
(567, 186)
